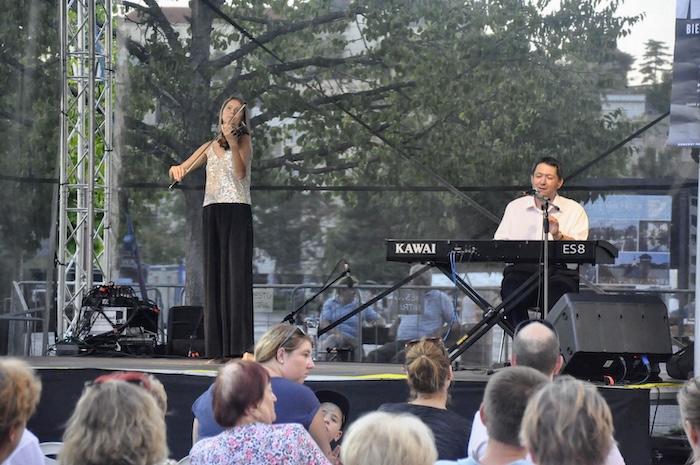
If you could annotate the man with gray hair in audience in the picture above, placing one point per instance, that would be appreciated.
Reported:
(505, 399)
(535, 345)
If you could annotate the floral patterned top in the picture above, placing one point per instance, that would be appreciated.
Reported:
(259, 444)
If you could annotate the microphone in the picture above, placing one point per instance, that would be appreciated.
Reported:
(534, 192)
(348, 276)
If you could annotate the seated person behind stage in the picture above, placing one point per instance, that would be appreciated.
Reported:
(433, 320)
(343, 302)
(523, 220)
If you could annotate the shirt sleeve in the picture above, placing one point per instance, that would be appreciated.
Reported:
(370, 314)
(327, 310)
(446, 308)
(503, 231)
(614, 457)
(477, 439)
(27, 451)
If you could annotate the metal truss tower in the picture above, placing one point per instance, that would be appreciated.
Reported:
(86, 149)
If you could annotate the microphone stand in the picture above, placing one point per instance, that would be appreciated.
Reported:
(545, 267)
(292, 315)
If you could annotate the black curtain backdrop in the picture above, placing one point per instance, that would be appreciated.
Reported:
(62, 388)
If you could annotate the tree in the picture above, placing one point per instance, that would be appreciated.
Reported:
(29, 63)
(474, 90)
(655, 62)
(659, 94)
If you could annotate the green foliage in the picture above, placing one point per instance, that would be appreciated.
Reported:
(473, 90)
(659, 95)
(29, 123)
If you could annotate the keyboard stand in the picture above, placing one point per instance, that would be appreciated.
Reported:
(492, 315)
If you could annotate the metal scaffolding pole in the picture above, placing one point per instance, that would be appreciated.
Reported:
(85, 197)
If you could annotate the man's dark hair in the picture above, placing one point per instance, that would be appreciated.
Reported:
(551, 161)
(505, 399)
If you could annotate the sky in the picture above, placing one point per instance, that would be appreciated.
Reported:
(658, 24)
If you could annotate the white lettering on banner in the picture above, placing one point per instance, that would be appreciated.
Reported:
(573, 249)
(692, 29)
(414, 248)
(262, 300)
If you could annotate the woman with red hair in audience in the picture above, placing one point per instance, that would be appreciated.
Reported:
(244, 404)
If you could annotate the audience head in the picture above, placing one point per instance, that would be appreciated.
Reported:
(335, 408)
(423, 279)
(286, 349)
(19, 394)
(346, 292)
(149, 382)
(505, 399)
(567, 422)
(115, 422)
(428, 367)
(381, 438)
(689, 403)
(282, 336)
(243, 394)
(536, 345)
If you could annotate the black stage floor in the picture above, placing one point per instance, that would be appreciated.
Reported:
(366, 385)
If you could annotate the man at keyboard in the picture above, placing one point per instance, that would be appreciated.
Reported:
(524, 220)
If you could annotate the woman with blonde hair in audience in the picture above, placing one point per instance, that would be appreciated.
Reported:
(285, 352)
(689, 403)
(115, 422)
(244, 404)
(382, 438)
(567, 422)
(148, 381)
(19, 395)
(429, 374)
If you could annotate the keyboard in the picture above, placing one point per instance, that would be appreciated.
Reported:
(439, 251)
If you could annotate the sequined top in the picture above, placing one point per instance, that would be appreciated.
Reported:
(223, 186)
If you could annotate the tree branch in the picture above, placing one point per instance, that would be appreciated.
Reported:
(287, 28)
(155, 14)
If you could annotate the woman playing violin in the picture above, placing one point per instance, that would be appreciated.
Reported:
(228, 232)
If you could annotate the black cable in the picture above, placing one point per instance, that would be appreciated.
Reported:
(656, 409)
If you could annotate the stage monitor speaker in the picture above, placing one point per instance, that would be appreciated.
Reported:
(605, 336)
(186, 331)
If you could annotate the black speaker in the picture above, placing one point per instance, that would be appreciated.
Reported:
(612, 337)
(186, 331)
